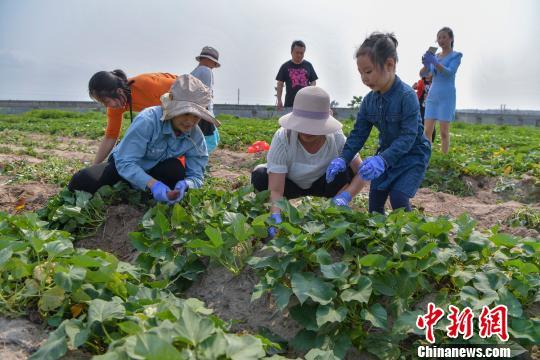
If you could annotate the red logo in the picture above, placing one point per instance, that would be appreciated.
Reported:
(490, 322)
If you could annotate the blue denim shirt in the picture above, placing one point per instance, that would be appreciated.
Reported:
(402, 144)
(149, 140)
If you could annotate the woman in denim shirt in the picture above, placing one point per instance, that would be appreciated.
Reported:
(147, 156)
(398, 168)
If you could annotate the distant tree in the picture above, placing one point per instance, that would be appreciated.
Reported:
(334, 104)
(355, 102)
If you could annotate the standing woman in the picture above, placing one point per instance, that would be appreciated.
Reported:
(119, 94)
(441, 99)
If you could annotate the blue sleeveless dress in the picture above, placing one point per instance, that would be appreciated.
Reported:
(441, 99)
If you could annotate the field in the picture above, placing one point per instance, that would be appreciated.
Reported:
(116, 274)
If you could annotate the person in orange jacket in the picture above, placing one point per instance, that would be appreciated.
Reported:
(119, 94)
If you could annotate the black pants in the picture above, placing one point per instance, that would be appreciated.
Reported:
(377, 199)
(90, 179)
(259, 179)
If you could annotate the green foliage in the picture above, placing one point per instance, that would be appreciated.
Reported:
(526, 217)
(361, 276)
(81, 213)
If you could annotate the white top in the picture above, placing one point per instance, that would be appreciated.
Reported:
(288, 156)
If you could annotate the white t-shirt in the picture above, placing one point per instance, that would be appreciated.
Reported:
(288, 156)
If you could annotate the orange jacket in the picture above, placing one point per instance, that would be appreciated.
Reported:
(145, 92)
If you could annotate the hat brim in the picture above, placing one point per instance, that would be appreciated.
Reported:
(172, 108)
(310, 126)
(198, 58)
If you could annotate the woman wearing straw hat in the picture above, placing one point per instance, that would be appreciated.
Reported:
(147, 156)
(309, 138)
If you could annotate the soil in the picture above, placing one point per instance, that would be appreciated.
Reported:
(112, 236)
(231, 165)
(15, 198)
(230, 297)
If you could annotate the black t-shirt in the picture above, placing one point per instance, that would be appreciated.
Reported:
(295, 77)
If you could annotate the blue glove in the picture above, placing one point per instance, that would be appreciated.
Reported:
(336, 166)
(342, 199)
(372, 168)
(430, 59)
(272, 231)
(181, 186)
(159, 191)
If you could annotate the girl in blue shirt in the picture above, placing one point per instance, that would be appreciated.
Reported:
(399, 166)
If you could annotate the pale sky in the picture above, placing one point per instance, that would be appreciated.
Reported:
(50, 49)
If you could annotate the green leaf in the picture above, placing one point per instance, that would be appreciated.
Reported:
(319, 354)
(58, 247)
(214, 235)
(327, 313)
(129, 327)
(438, 227)
(426, 250)
(376, 314)
(307, 285)
(5, 255)
(361, 292)
(373, 260)
(101, 310)
(282, 295)
(54, 348)
(76, 333)
(52, 299)
(489, 281)
(152, 347)
(71, 280)
(524, 329)
(338, 270)
(245, 347)
(193, 327)
(305, 315)
(406, 323)
(525, 268)
(505, 240)
(323, 257)
(85, 261)
(509, 300)
(179, 216)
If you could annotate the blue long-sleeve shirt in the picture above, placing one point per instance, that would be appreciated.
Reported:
(402, 144)
(149, 141)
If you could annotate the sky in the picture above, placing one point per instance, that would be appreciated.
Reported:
(50, 49)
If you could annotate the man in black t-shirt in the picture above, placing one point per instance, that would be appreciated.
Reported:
(296, 74)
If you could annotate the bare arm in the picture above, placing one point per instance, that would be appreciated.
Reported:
(104, 149)
(276, 185)
(279, 89)
(357, 183)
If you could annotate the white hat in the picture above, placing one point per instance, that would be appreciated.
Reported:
(311, 113)
(209, 53)
(188, 95)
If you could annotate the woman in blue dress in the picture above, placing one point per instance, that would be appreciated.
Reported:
(399, 166)
(441, 99)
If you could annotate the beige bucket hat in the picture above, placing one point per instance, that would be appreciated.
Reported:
(209, 53)
(311, 113)
(188, 95)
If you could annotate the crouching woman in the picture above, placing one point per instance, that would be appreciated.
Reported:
(147, 156)
(309, 138)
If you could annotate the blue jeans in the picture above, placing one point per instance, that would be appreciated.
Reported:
(377, 199)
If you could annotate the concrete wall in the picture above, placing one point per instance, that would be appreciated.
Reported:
(506, 117)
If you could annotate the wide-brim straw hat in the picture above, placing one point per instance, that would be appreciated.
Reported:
(209, 53)
(311, 113)
(188, 95)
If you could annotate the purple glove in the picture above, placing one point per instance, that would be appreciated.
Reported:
(430, 59)
(336, 166)
(342, 199)
(372, 168)
(181, 186)
(272, 231)
(159, 191)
